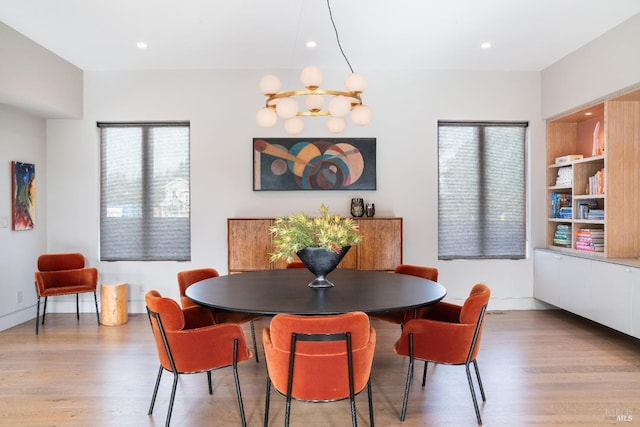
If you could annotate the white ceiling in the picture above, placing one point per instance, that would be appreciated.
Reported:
(238, 34)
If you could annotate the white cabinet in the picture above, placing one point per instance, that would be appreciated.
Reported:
(563, 281)
(612, 295)
(600, 290)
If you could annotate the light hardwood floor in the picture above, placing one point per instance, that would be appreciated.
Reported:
(545, 368)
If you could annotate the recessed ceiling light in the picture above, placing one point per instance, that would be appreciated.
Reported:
(141, 45)
(311, 43)
(485, 45)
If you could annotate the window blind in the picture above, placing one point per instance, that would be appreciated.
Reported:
(481, 190)
(144, 192)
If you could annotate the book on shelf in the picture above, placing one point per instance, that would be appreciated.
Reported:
(568, 158)
(590, 239)
(596, 183)
(583, 207)
(562, 236)
(595, 214)
(565, 176)
(559, 201)
(589, 248)
(566, 212)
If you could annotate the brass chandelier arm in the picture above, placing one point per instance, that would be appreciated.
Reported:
(353, 96)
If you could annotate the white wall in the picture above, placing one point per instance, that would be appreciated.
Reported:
(22, 138)
(221, 106)
(609, 64)
(34, 79)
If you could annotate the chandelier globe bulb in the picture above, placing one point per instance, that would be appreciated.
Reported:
(336, 124)
(266, 117)
(339, 106)
(356, 83)
(311, 77)
(270, 85)
(287, 108)
(294, 125)
(361, 115)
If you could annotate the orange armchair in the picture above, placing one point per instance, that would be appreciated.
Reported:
(63, 274)
(332, 356)
(189, 277)
(448, 334)
(402, 317)
(188, 341)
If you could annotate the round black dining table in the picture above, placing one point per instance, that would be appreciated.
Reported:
(271, 292)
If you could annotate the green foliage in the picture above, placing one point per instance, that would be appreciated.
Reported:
(295, 232)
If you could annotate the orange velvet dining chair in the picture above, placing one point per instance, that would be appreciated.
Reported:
(189, 277)
(447, 334)
(64, 274)
(188, 341)
(401, 317)
(319, 359)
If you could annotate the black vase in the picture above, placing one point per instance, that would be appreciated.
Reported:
(321, 262)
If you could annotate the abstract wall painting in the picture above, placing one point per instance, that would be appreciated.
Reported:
(23, 195)
(289, 164)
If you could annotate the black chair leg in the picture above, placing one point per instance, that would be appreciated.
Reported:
(407, 387)
(473, 394)
(475, 365)
(237, 380)
(95, 299)
(424, 373)
(409, 377)
(44, 309)
(354, 418)
(266, 402)
(78, 307)
(370, 397)
(209, 381)
(155, 391)
(37, 313)
(173, 397)
(255, 345)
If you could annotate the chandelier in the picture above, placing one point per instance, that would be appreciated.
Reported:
(340, 103)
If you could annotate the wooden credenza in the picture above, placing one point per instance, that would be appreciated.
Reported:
(249, 245)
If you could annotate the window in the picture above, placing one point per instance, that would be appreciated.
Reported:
(481, 190)
(144, 192)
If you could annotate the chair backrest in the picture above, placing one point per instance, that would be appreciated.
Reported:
(473, 311)
(188, 278)
(172, 316)
(320, 370)
(478, 297)
(62, 261)
(429, 273)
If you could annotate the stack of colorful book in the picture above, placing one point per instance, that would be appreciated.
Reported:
(590, 239)
(562, 236)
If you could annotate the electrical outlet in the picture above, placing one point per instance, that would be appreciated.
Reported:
(4, 222)
(19, 296)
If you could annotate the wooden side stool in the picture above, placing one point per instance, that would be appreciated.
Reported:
(114, 304)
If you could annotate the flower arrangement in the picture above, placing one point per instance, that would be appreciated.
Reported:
(295, 232)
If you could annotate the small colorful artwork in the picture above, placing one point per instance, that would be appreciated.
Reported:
(23, 203)
(314, 164)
